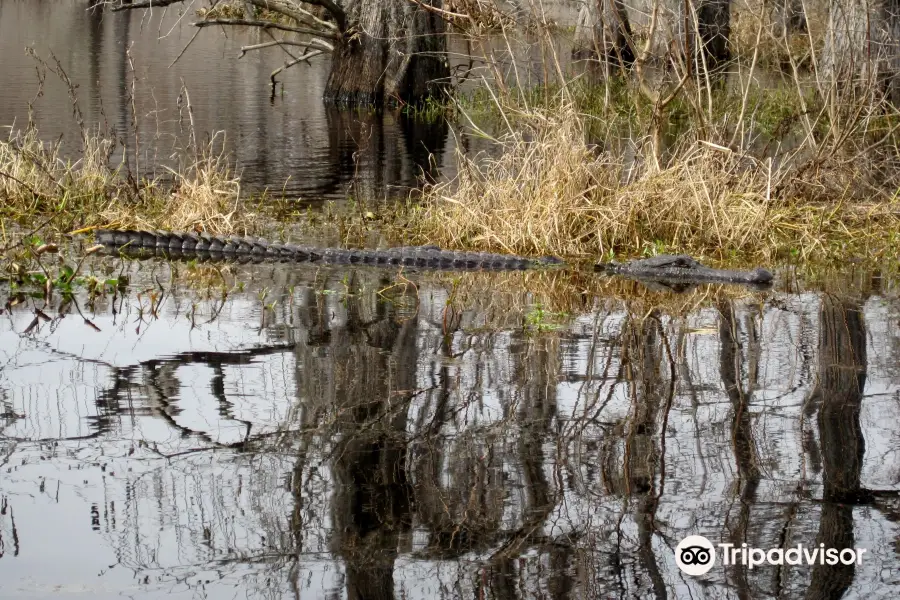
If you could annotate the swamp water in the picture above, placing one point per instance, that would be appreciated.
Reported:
(362, 433)
(354, 433)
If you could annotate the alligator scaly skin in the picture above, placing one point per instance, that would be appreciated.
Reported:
(175, 244)
(693, 273)
(683, 269)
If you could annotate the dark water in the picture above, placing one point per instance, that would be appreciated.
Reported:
(288, 141)
(132, 70)
(364, 434)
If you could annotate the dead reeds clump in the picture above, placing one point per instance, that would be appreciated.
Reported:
(203, 195)
(549, 191)
(41, 187)
(535, 197)
(36, 179)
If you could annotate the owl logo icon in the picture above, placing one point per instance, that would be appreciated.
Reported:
(695, 555)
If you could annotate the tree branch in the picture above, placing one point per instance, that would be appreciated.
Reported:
(285, 7)
(304, 45)
(145, 4)
(267, 25)
(288, 65)
(288, 8)
(316, 20)
(246, 49)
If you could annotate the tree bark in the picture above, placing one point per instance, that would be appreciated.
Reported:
(392, 52)
(696, 32)
(603, 31)
(713, 31)
(862, 47)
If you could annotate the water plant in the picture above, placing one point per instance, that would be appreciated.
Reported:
(539, 319)
(28, 273)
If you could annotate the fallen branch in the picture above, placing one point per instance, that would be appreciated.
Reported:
(293, 10)
(337, 13)
(288, 65)
(145, 4)
(281, 6)
(246, 49)
(316, 20)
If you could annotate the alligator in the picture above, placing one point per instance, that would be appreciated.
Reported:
(174, 245)
(664, 268)
(681, 268)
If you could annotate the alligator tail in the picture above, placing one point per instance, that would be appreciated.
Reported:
(188, 244)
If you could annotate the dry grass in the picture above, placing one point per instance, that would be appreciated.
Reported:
(204, 197)
(40, 187)
(534, 198)
(548, 191)
(754, 31)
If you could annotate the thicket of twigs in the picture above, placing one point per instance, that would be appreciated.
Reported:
(671, 156)
(596, 159)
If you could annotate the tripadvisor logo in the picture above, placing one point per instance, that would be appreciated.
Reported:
(696, 555)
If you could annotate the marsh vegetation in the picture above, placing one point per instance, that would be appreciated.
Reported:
(732, 130)
(206, 428)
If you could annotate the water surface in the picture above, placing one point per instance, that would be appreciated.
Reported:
(343, 433)
(287, 140)
(362, 433)
(137, 73)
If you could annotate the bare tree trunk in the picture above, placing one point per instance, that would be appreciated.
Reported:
(713, 31)
(604, 32)
(392, 52)
(862, 47)
(696, 32)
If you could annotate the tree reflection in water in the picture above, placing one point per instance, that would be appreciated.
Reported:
(363, 445)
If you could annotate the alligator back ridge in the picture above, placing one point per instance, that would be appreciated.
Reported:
(189, 244)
